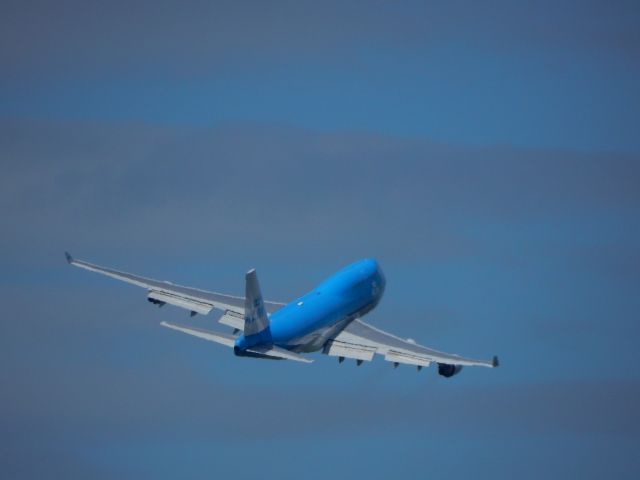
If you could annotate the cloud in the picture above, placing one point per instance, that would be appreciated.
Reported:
(225, 187)
(530, 253)
(142, 402)
(206, 37)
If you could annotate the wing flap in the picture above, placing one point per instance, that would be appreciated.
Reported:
(232, 319)
(182, 302)
(400, 357)
(337, 348)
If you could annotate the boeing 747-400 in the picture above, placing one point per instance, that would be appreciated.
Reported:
(326, 319)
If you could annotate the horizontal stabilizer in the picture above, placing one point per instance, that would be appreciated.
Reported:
(277, 352)
(229, 341)
(218, 337)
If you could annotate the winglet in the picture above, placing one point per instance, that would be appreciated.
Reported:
(68, 257)
(495, 362)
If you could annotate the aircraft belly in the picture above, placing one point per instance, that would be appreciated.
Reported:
(306, 324)
(315, 340)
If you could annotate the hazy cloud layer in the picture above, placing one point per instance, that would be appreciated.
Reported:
(109, 393)
(197, 35)
(485, 153)
(527, 253)
(323, 189)
(540, 73)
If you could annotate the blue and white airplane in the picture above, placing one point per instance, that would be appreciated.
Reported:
(327, 318)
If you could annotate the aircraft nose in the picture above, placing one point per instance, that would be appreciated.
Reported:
(381, 278)
(369, 266)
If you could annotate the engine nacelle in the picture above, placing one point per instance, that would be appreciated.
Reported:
(447, 370)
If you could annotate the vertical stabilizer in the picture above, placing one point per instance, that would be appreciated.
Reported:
(255, 316)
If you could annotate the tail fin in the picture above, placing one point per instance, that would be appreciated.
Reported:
(255, 316)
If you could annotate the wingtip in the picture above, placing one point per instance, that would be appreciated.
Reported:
(68, 256)
(495, 362)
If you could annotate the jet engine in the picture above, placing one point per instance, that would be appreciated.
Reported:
(447, 370)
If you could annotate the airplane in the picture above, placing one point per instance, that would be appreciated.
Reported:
(328, 318)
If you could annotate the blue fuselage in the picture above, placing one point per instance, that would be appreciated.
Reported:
(306, 324)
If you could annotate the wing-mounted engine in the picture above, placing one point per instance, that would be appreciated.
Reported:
(447, 370)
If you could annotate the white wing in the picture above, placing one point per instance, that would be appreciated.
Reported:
(161, 292)
(361, 341)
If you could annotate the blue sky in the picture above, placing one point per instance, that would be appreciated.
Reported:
(486, 154)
